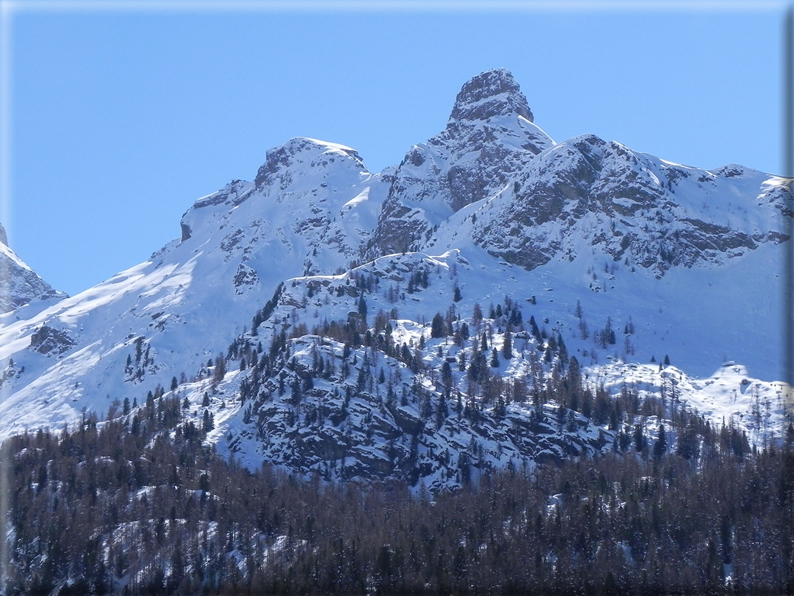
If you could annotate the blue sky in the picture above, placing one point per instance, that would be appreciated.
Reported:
(121, 119)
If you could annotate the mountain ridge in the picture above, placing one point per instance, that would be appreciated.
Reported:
(489, 212)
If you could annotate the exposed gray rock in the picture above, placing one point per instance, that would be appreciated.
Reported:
(48, 340)
(623, 203)
(19, 284)
(488, 140)
(244, 279)
(491, 93)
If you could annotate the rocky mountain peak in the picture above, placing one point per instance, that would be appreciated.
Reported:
(488, 140)
(3, 237)
(491, 93)
(300, 150)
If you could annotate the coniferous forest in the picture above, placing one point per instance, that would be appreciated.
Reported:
(139, 504)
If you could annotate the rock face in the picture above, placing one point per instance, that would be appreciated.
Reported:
(490, 94)
(633, 207)
(19, 284)
(490, 138)
(530, 200)
(311, 199)
(46, 340)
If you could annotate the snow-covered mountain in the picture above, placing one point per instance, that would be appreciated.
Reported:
(19, 284)
(490, 138)
(310, 201)
(318, 312)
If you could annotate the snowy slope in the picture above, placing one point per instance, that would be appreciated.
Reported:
(166, 316)
(584, 237)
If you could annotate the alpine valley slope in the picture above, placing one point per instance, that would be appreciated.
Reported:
(297, 310)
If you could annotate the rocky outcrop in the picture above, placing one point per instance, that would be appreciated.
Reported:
(48, 340)
(489, 94)
(490, 138)
(281, 162)
(19, 284)
(541, 200)
(631, 207)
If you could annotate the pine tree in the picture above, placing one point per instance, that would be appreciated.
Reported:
(574, 373)
(446, 374)
(507, 345)
(535, 331)
(562, 350)
(437, 326)
(639, 438)
(220, 369)
(476, 315)
(661, 444)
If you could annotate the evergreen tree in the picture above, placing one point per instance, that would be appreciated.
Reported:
(220, 369)
(660, 447)
(507, 345)
(476, 315)
(446, 375)
(574, 373)
(639, 438)
(437, 326)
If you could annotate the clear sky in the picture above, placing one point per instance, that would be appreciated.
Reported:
(119, 120)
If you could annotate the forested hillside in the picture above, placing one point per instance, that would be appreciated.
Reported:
(141, 504)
